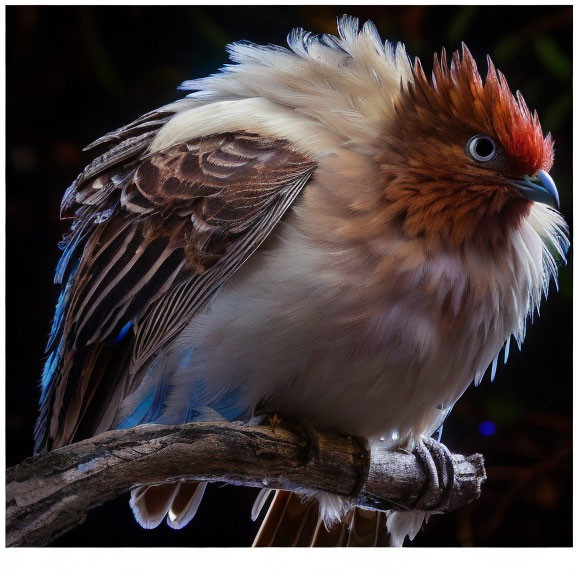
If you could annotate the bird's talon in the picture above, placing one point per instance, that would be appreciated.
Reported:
(436, 460)
(274, 421)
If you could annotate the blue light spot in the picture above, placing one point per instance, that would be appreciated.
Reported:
(487, 428)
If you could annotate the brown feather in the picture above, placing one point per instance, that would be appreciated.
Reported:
(291, 521)
(431, 188)
(337, 536)
(168, 219)
(367, 528)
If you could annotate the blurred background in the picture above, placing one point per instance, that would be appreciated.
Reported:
(75, 73)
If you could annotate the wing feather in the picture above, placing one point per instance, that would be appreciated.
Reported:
(153, 238)
(166, 318)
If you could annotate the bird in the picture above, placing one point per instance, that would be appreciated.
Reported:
(322, 231)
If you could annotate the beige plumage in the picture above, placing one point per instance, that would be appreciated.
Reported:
(323, 232)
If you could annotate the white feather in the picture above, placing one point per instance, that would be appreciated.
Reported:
(302, 328)
(315, 96)
(405, 524)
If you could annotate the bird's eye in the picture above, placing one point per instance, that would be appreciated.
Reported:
(481, 148)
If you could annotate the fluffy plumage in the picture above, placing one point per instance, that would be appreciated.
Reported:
(323, 232)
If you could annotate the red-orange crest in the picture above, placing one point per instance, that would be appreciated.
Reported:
(457, 95)
(449, 162)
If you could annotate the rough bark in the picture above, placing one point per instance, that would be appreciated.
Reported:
(50, 494)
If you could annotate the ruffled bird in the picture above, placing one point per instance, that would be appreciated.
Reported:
(324, 232)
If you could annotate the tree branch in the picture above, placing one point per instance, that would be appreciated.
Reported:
(50, 494)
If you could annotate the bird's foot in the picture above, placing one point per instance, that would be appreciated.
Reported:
(436, 461)
(274, 421)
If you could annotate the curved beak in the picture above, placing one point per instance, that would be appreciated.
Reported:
(539, 188)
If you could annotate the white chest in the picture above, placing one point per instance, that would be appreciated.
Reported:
(292, 335)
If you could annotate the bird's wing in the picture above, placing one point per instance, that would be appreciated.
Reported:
(153, 237)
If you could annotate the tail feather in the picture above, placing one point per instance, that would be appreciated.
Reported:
(260, 502)
(367, 528)
(178, 501)
(293, 522)
(336, 537)
(185, 504)
(405, 523)
(150, 504)
(288, 522)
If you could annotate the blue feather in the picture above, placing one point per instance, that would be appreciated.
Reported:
(152, 406)
(123, 332)
(48, 373)
(68, 247)
(59, 314)
(138, 416)
(68, 250)
(58, 317)
(185, 362)
(230, 405)
(191, 415)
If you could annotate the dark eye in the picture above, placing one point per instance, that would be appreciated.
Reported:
(481, 148)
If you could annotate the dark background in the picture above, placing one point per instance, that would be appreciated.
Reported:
(74, 73)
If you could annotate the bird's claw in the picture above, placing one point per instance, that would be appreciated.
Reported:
(274, 421)
(436, 460)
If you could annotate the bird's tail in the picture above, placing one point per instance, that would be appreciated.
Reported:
(176, 501)
(291, 521)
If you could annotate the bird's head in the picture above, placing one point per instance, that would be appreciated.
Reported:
(464, 159)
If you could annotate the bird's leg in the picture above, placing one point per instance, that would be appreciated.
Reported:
(437, 464)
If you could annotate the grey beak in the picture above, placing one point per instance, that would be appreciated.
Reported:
(539, 188)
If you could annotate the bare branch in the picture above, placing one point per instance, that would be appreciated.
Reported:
(50, 494)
